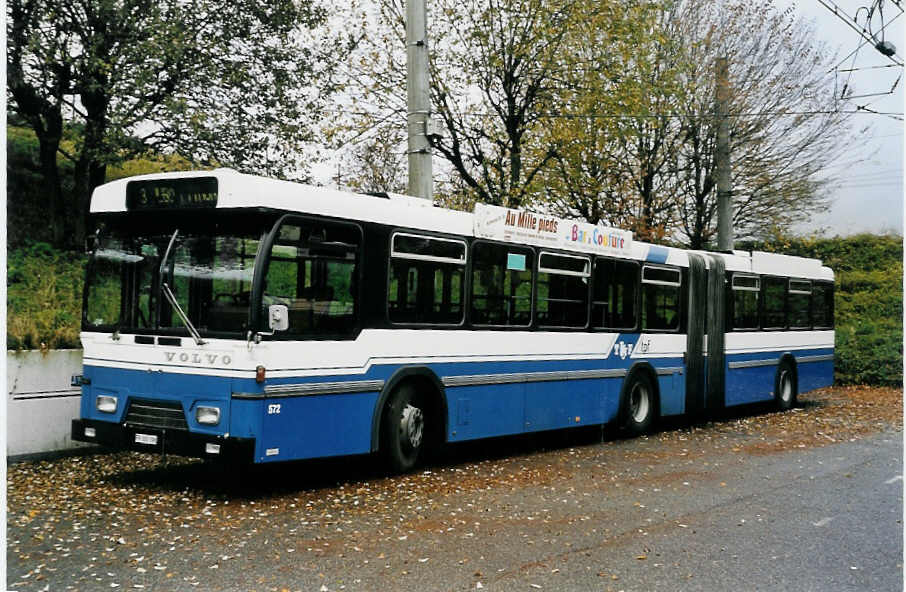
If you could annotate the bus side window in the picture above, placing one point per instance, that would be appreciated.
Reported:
(561, 295)
(773, 293)
(822, 305)
(614, 292)
(501, 285)
(661, 298)
(426, 280)
(799, 297)
(311, 270)
(745, 292)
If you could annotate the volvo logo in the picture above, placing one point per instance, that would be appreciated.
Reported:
(198, 358)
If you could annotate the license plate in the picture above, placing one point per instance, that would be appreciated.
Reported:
(146, 438)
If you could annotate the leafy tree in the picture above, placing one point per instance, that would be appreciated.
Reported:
(612, 163)
(27, 209)
(228, 83)
(30, 215)
(497, 68)
(649, 165)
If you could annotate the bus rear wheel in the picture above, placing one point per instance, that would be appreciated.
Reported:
(638, 405)
(785, 387)
(404, 429)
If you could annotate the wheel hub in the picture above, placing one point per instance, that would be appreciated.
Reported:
(638, 404)
(786, 387)
(412, 426)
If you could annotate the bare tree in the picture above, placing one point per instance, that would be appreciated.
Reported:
(784, 126)
(497, 67)
(378, 163)
(604, 110)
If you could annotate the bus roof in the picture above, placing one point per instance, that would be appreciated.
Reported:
(239, 190)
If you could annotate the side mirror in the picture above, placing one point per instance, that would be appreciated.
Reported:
(278, 317)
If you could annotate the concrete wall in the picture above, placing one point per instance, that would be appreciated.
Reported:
(40, 401)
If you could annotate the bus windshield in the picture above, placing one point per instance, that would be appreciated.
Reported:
(208, 269)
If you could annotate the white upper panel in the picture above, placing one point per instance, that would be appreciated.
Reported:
(788, 265)
(238, 190)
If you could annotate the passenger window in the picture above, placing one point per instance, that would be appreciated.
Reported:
(614, 294)
(661, 298)
(823, 306)
(800, 293)
(562, 293)
(312, 271)
(745, 294)
(426, 280)
(501, 285)
(773, 292)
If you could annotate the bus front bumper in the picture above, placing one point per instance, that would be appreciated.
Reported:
(154, 440)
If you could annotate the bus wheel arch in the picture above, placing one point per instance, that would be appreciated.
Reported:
(412, 399)
(786, 383)
(639, 400)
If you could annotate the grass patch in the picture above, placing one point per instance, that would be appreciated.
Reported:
(44, 297)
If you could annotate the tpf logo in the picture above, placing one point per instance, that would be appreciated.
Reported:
(624, 350)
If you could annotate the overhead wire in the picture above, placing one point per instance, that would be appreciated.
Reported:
(610, 115)
(840, 13)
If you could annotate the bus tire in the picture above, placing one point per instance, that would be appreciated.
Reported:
(638, 405)
(403, 429)
(785, 386)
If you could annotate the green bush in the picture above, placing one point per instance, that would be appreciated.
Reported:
(44, 297)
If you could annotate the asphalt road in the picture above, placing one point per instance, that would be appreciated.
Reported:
(689, 510)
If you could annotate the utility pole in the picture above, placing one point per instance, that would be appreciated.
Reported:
(722, 158)
(418, 100)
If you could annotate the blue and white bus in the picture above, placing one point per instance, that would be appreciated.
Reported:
(233, 316)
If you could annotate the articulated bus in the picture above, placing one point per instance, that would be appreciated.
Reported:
(237, 317)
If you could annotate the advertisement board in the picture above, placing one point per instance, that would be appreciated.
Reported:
(530, 228)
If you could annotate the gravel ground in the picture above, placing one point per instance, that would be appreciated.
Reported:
(128, 521)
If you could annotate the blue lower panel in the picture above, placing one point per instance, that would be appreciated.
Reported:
(750, 385)
(245, 418)
(814, 375)
(672, 388)
(315, 426)
(504, 409)
(554, 405)
(485, 411)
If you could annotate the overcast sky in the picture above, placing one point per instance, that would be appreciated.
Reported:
(869, 196)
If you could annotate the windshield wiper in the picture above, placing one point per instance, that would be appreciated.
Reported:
(165, 288)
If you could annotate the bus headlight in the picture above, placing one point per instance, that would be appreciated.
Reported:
(106, 403)
(207, 415)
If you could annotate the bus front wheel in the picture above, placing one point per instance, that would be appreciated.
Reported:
(404, 429)
(638, 405)
(785, 387)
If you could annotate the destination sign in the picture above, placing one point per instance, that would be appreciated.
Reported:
(524, 227)
(170, 194)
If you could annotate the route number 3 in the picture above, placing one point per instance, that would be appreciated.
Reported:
(273, 409)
